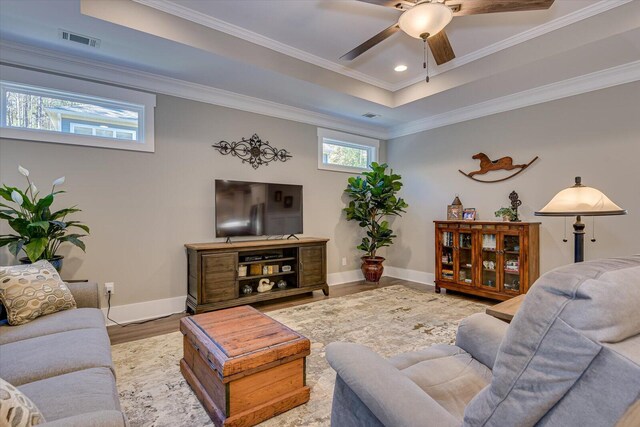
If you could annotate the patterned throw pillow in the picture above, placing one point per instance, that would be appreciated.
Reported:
(33, 290)
(16, 410)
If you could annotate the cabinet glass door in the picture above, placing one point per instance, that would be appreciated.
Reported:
(465, 258)
(447, 244)
(489, 266)
(511, 263)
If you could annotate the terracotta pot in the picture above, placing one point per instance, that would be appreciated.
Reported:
(372, 268)
(56, 261)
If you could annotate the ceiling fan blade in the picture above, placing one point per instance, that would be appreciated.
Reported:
(371, 43)
(396, 4)
(475, 7)
(441, 48)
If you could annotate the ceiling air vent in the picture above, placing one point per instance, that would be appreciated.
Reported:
(79, 38)
(370, 115)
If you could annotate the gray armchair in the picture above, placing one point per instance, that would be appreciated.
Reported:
(571, 357)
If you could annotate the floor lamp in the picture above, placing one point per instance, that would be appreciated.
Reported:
(580, 200)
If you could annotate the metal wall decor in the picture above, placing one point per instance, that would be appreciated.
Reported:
(254, 151)
(488, 165)
(515, 203)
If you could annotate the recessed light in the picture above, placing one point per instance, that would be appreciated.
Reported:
(401, 68)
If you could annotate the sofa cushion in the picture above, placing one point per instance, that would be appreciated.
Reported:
(556, 336)
(75, 393)
(55, 354)
(16, 409)
(61, 321)
(446, 373)
(33, 290)
(437, 351)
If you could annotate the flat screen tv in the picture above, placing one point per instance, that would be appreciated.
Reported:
(257, 209)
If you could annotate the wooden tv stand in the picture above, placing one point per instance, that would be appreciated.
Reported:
(214, 281)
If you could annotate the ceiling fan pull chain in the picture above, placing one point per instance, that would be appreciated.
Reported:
(425, 58)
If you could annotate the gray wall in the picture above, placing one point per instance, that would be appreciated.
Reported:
(594, 135)
(143, 207)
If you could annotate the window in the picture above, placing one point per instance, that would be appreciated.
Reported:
(43, 107)
(343, 152)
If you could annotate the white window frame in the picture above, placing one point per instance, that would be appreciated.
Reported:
(346, 140)
(81, 91)
(73, 126)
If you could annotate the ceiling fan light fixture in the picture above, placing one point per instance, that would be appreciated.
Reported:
(426, 17)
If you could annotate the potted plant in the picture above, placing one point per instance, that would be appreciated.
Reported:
(39, 232)
(373, 197)
(507, 214)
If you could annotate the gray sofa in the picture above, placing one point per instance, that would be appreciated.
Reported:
(570, 357)
(62, 362)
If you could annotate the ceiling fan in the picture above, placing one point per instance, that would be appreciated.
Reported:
(426, 19)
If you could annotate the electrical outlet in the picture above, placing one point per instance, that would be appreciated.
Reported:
(110, 287)
(344, 260)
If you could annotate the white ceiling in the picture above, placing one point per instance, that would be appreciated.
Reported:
(287, 51)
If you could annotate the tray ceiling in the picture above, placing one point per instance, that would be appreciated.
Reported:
(287, 52)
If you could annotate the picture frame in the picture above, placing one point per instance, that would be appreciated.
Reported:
(454, 212)
(469, 214)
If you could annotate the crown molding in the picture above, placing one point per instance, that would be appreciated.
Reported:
(41, 59)
(45, 60)
(540, 30)
(602, 79)
(253, 37)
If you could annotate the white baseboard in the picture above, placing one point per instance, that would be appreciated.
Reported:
(410, 275)
(136, 312)
(344, 277)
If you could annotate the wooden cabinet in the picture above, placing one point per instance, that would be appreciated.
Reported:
(492, 259)
(312, 265)
(219, 275)
(214, 280)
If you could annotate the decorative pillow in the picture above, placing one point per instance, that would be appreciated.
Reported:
(33, 290)
(16, 409)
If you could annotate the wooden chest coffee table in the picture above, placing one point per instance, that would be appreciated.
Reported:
(244, 366)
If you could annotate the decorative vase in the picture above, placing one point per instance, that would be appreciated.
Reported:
(372, 268)
(506, 218)
(56, 261)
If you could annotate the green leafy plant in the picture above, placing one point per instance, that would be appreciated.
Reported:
(506, 213)
(39, 231)
(374, 197)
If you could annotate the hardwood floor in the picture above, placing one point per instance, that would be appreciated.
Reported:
(132, 332)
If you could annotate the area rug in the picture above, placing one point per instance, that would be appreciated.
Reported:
(389, 320)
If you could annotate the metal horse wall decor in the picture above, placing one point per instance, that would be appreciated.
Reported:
(488, 165)
(253, 151)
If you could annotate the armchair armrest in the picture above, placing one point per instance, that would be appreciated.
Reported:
(86, 294)
(481, 335)
(392, 397)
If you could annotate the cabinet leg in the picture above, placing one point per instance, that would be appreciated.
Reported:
(437, 289)
(325, 290)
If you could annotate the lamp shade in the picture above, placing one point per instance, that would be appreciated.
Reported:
(429, 18)
(580, 200)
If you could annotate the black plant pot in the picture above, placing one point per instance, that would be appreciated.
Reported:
(56, 261)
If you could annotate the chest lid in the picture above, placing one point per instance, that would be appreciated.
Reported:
(241, 340)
